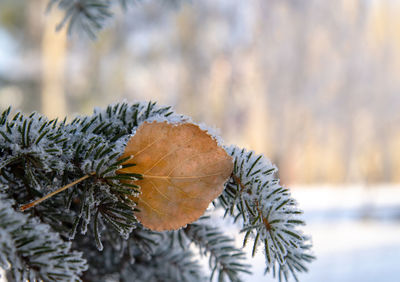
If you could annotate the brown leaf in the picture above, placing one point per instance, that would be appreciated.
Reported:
(183, 170)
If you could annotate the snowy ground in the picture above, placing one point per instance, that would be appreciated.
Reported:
(355, 230)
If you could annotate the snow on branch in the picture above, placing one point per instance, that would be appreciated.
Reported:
(226, 261)
(270, 216)
(38, 156)
(30, 251)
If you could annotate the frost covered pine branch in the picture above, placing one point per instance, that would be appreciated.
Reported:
(98, 213)
(268, 213)
(29, 251)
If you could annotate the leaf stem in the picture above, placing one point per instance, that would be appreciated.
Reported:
(34, 203)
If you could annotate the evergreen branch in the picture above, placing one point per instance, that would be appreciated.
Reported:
(225, 259)
(146, 241)
(167, 265)
(30, 251)
(38, 155)
(268, 212)
(87, 15)
(119, 216)
(91, 16)
(295, 260)
(144, 256)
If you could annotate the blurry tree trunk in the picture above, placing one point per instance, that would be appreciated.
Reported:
(216, 93)
(53, 66)
(188, 36)
(258, 124)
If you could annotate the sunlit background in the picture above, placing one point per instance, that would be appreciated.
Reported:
(314, 85)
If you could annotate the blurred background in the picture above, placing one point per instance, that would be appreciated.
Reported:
(314, 85)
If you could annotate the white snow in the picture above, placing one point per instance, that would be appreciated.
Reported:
(2, 275)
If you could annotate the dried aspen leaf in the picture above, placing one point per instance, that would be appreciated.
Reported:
(183, 170)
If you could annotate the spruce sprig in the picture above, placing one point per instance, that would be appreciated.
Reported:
(267, 212)
(29, 251)
(38, 156)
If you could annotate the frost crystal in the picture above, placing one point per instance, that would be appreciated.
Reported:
(32, 252)
(268, 212)
(38, 156)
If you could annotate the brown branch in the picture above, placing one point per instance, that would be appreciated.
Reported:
(264, 219)
(237, 180)
(242, 188)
